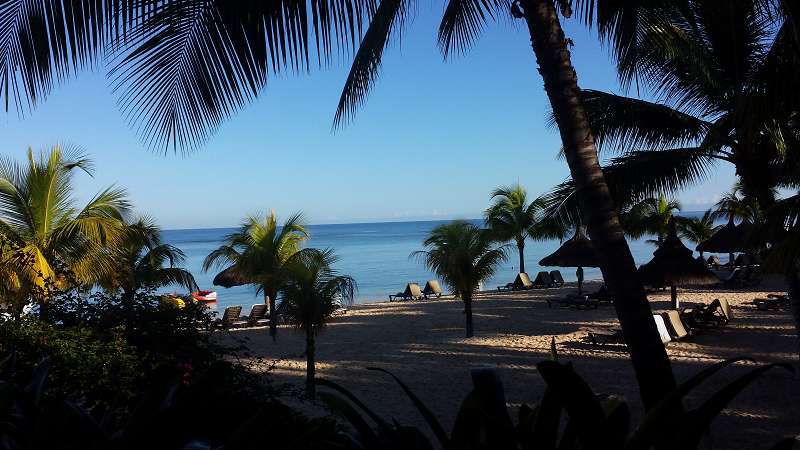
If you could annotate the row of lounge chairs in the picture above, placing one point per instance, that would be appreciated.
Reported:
(232, 318)
(591, 300)
(413, 291)
(741, 277)
(675, 325)
(543, 280)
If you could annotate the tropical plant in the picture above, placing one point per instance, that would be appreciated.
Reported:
(257, 252)
(697, 229)
(591, 421)
(312, 293)
(650, 216)
(464, 256)
(735, 205)
(38, 216)
(512, 217)
(139, 256)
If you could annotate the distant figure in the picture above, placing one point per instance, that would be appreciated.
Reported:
(579, 274)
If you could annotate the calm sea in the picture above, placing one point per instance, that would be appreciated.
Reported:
(375, 254)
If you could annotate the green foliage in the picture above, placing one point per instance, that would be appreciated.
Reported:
(39, 217)
(697, 229)
(650, 216)
(570, 415)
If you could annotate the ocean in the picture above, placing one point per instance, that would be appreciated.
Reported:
(377, 255)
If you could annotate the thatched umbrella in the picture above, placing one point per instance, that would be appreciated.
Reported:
(578, 252)
(729, 239)
(228, 278)
(673, 264)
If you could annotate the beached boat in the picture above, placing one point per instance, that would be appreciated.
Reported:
(205, 296)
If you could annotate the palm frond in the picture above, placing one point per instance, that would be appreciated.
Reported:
(388, 20)
(463, 21)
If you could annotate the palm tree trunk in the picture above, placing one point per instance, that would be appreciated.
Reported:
(269, 298)
(467, 297)
(521, 248)
(794, 299)
(311, 369)
(647, 352)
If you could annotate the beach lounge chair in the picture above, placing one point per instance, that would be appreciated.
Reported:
(605, 336)
(432, 288)
(601, 294)
(675, 325)
(555, 276)
(542, 281)
(522, 282)
(661, 326)
(230, 318)
(726, 309)
(579, 302)
(773, 301)
(710, 316)
(412, 292)
(257, 316)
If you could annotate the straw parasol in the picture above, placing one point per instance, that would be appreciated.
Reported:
(729, 239)
(673, 264)
(228, 278)
(578, 251)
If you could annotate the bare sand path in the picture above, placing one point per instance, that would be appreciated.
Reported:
(423, 344)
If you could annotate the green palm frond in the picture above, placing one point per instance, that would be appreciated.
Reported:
(388, 21)
(624, 124)
(697, 229)
(463, 21)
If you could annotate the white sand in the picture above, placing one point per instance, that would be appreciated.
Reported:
(423, 343)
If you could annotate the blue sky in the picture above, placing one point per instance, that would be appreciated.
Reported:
(433, 139)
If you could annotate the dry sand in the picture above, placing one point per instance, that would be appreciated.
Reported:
(423, 343)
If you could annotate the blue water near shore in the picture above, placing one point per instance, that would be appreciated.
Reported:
(375, 254)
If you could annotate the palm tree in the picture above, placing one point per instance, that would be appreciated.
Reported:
(735, 205)
(464, 256)
(697, 229)
(511, 217)
(257, 252)
(650, 216)
(39, 217)
(139, 259)
(312, 292)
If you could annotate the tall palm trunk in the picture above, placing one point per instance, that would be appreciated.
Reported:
(521, 249)
(794, 298)
(269, 298)
(311, 369)
(648, 355)
(467, 297)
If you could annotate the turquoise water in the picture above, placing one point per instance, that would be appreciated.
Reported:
(375, 254)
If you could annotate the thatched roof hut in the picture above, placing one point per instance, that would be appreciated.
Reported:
(229, 278)
(673, 265)
(730, 238)
(578, 251)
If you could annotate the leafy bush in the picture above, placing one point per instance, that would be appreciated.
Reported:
(569, 416)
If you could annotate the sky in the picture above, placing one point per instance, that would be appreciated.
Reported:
(434, 138)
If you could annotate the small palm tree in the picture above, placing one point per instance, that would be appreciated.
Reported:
(697, 229)
(312, 292)
(257, 253)
(650, 216)
(464, 256)
(38, 216)
(512, 217)
(735, 205)
(139, 259)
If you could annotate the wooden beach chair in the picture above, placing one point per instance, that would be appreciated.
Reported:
(726, 309)
(432, 288)
(661, 326)
(614, 335)
(557, 278)
(703, 317)
(522, 282)
(542, 281)
(230, 318)
(257, 316)
(675, 325)
(773, 301)
(411, 292)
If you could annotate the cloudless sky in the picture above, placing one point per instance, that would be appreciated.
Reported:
(432, 141)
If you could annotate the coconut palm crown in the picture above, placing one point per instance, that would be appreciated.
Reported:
(512, 217)
(463, 256)
(257, 253)
(697, 229)
(39, 217)
(142, 261)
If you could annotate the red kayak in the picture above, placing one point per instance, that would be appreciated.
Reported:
(205, 296)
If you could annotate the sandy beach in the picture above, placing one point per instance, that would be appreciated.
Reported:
(423, 343)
